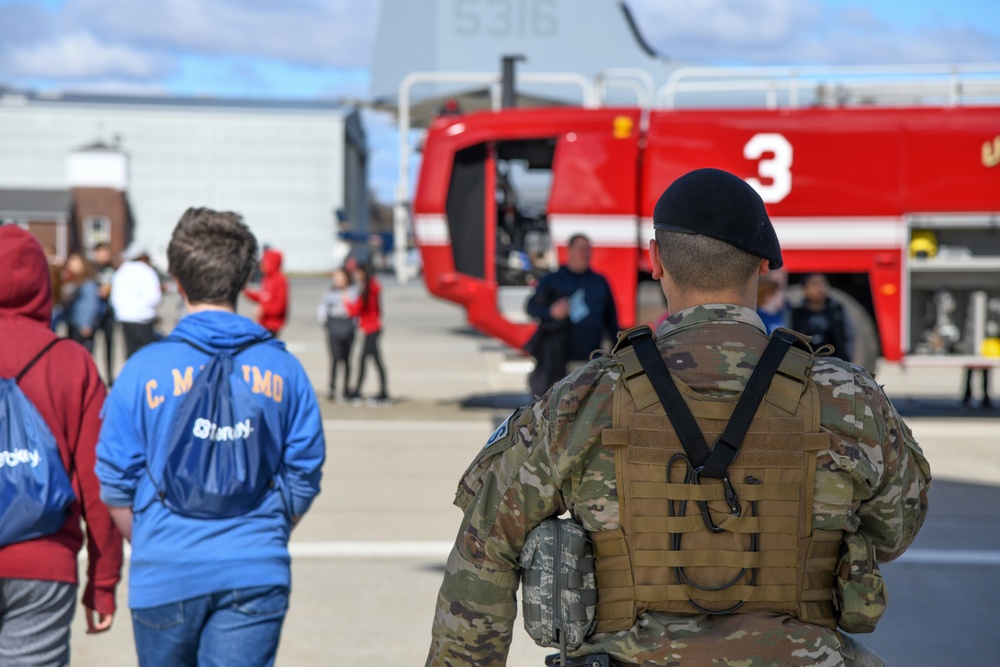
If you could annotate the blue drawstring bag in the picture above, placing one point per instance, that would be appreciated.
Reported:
(35, 489)
(224, 451)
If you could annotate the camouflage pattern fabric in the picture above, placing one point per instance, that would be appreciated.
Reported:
(548, 458)
(861, 597)
(557, 568)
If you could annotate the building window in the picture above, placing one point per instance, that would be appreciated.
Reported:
(96, 230)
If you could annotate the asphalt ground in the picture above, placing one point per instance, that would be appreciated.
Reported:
(368, 558)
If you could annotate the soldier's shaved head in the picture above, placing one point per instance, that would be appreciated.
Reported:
(703, 264)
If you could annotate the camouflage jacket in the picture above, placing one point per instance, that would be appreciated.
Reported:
(548, 458)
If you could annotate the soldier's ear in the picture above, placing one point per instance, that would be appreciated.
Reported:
(654, 260)
(764, 268)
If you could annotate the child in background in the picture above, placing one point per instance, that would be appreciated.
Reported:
(340, 327)
(367, 308)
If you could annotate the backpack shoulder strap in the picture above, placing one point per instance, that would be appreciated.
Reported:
(34, 360)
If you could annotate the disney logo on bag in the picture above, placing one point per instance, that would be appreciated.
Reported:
(19, 456)
(208, 430)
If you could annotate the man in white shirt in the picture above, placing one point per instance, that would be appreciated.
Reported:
(135, 296)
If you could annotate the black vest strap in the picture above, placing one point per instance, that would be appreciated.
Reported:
(670, 396)
(725, 449)
(728, 445)
(34, 360)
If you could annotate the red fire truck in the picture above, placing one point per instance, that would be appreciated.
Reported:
(899, 204)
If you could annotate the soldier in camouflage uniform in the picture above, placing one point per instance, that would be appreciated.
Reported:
(713, 241)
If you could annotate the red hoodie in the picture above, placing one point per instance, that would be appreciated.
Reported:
(368, 311)
(68, 392)
(273, 293)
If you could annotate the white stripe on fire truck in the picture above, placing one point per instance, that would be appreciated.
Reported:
(826, 232)
(840, 232)
(431, 229)
(603, 230)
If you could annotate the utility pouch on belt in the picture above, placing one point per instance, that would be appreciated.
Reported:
(861, 596)
(558, 589)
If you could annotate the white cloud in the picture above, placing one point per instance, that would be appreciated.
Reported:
(334, 33)
(271, 47)
(783, 32)
(732, 25)
(80, 55)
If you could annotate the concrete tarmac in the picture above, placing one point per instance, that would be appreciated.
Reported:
(368, 558)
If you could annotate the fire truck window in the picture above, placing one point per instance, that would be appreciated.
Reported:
(465, 211)
(523, 183)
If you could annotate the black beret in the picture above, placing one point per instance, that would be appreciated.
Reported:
(723, 206)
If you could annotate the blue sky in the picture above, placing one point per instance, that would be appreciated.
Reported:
(309, 49)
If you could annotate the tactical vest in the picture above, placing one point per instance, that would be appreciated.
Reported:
(681, 549)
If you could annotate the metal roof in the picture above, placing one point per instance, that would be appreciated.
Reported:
(14, 97)
(35, 204)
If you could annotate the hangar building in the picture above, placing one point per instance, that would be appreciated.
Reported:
(296, 171)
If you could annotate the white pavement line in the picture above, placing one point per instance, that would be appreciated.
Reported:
(521, 366)
(369, 549)
(406, 425)
(949, 557)
(927, 427)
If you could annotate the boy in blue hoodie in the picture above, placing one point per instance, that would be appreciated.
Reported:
(208, 591)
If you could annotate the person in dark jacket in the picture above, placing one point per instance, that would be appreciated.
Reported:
(576, 312)
(821, 317)
(38, 577)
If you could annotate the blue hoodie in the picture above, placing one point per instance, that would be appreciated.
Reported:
(175, 557)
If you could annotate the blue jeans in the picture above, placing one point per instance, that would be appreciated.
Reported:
(236, 627)
(35, 617)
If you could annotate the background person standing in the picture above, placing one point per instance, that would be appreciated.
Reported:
(576, 313)
(772, 303)
(821, 317)
(82, 302)
(272, 297)
(340, 327)
(105, 267)
(38, 577)
(368, 309)
(135, 295)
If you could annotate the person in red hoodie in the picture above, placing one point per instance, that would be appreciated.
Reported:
(273, 293)
(38, 577)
